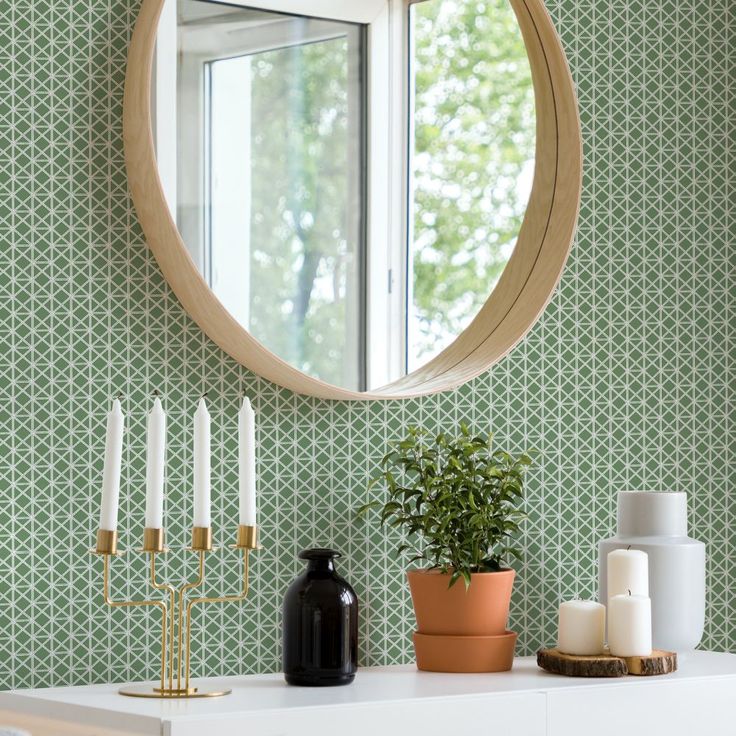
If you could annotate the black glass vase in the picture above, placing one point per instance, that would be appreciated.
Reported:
(320, 624)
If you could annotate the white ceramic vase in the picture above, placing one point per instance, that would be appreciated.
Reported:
(656, 522)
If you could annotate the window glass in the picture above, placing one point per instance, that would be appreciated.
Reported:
(281, 231)
(471, 162)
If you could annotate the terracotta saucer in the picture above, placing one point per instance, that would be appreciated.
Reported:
(441, 653)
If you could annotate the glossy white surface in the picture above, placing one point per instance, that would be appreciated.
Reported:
(401, 700)
(652, 514)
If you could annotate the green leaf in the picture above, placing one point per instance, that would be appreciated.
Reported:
(366, 507)
(456, 498)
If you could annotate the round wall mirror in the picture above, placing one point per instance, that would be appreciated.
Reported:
(370, 201)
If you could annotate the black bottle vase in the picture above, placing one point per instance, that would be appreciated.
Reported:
(320, 624)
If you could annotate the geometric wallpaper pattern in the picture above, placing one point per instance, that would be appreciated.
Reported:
(627, 382)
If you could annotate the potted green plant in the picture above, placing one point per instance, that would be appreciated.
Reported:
(457, 499)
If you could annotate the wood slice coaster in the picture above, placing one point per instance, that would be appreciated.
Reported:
(658, 663)
(606, 665)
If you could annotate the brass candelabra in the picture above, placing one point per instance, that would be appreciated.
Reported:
(176, 612)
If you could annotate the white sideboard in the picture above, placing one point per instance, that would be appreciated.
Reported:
(696, 700)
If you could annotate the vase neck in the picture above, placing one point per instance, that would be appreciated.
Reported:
(321, 566)
(320, 559)
(652, 514)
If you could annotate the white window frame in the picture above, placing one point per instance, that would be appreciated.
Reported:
(387, 159)
(387, 194)
(350, 11)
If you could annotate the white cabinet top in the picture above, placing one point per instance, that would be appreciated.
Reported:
(257, 695)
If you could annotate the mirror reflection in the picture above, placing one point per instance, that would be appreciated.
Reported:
(351, 194)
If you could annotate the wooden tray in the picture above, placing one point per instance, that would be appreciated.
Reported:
(606, 665)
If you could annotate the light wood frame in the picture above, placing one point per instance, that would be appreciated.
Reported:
(525, 287)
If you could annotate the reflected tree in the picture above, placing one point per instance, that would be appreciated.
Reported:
(474, 151)
(301, 249)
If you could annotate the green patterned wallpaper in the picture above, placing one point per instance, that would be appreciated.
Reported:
(626, 382)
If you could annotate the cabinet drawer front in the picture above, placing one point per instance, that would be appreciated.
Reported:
(487, 715)
(38, 726)
(674, 708)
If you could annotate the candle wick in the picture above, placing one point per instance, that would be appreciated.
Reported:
(629, 592)
(155, 392)
(204, 395)
(120, 396)
(628, 548)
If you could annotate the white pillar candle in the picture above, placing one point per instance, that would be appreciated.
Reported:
(582, 628)
(155, 462)
(202, 465)
(111, 470)
(630, 625)
(628, 570)
(247, 463)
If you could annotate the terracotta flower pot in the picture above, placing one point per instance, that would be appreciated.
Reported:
(480, 610)
(465, 653)
(459, 629)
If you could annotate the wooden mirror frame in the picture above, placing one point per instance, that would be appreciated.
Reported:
(522, 293)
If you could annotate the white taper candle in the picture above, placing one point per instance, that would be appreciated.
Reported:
(247, 463)
(202, 465)
(155, 463)
(111, 471)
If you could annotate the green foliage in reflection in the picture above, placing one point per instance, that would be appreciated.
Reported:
(456, 498)
(475, 137)
(303, 259)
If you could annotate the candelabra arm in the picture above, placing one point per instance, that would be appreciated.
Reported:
(172, 623)
(188, 586)
(221, 599)
(126, 604)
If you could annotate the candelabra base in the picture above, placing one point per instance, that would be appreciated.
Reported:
(146, 691)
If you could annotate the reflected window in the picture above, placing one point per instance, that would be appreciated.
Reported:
(279, 233)
(351, 204)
